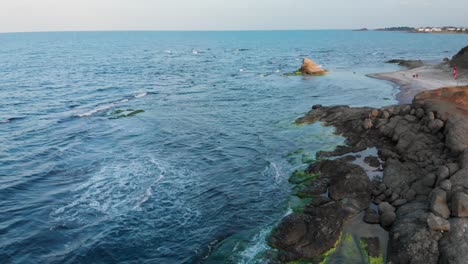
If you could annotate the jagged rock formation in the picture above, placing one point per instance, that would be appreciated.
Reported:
(460, 59)
(423, 198)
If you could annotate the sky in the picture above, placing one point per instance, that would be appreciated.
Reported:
(84, 15)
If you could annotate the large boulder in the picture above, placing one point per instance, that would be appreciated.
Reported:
(348, 184)
(411, 240)
(460, 59)
(310, 67)
(310, 234)
(453, 245)
(460, 205)
(400, 175)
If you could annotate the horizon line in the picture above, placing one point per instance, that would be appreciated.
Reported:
(172, 30)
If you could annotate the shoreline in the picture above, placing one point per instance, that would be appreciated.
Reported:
(422, 198)
(430, 77)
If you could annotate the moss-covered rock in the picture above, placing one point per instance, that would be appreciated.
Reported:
(300, 176)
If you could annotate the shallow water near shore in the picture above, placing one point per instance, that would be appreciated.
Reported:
(157, 147)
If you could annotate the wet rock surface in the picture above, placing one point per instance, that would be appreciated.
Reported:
(424, 192)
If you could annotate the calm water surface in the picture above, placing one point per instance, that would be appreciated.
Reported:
(206, 160)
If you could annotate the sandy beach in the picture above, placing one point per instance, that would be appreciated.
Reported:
(430, 77)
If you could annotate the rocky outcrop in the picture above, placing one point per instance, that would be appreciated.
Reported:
(451, 104)
(410, 64)
(310, 234)
(311, 68)
(322, 220)
(424, 190)
(411, 241)
(460, 59)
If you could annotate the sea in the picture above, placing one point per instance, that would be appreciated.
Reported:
(172, 147)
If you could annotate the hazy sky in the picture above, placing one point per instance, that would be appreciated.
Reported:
(61, 15)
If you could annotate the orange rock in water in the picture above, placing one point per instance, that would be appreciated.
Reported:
(310, 67)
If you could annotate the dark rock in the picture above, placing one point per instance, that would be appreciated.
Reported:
(430, 180)
(410, 240)
(376, 192)
(297, 235)
(387, 219)
(399, 202)
(400, 175)
(439, 203)
(460, 205)
(446, 185)
(410, 195)
(371, 218)
(460, 59)
(437, 223)
(410, 64)
(463, 160)
(410, 118)
(367, 124)
(420, 113)
(317, 106)
(386, 208)
(348, 183)
(442, 173)
(453, 244)
(453, 168)
(394, 197)
(388, 193)
(456, 131)
(420, 188)
(372, 246)
(460, 178)
(372, 161)
(382, 197)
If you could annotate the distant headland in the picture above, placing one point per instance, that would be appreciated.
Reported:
(443, 30)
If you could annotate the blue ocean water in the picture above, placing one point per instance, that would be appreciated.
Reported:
(207, 161)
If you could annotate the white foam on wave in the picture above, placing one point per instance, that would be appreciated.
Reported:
(130, 184)
(108, 106)
(116, 189)
(149, 191)
(97, 109)
(273, 170)
(140, 95)
(257, 245)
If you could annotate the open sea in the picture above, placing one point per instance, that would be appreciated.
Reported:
(171, 147)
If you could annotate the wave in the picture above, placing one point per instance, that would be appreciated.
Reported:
(107, 106)
(11, 119)
(114, 190)
(97, 109)
(141, 95)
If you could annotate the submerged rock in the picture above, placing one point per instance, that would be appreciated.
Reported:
(407, 63)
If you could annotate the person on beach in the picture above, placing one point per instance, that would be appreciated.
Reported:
(455, 72)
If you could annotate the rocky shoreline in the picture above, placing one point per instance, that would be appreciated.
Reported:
(422, 199)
